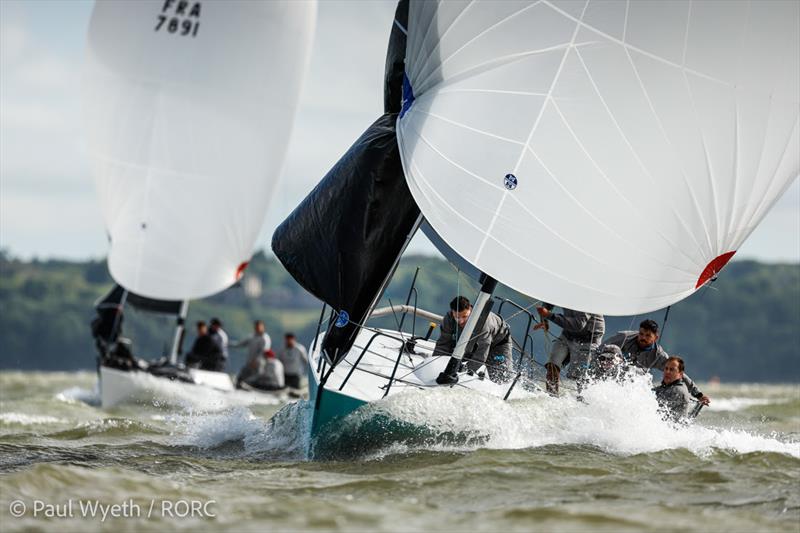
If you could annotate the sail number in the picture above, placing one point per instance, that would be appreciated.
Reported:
(181, 17)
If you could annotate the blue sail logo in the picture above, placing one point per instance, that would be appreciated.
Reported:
(510, 181)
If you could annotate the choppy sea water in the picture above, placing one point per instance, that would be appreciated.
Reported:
(536, 463)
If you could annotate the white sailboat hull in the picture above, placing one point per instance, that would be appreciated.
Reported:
(370, 380)
(119, 386)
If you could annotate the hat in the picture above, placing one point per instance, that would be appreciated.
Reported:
(610, 349)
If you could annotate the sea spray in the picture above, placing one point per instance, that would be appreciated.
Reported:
(619, 418)
(284, 436)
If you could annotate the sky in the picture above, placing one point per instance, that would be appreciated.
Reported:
(48, 207)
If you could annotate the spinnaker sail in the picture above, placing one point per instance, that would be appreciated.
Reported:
(189, 107)
(604, 156)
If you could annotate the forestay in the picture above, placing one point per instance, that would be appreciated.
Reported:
(189, 107)
(604, 156)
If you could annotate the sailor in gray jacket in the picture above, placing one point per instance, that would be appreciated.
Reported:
(256, 346)
(673, 395)
(492, 344)
(294, 357)
(641, 350)
(580, 337)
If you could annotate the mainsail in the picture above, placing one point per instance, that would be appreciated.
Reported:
(604, 156)
(189, 107)
(341, 242)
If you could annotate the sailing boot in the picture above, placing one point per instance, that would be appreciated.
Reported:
(553, 375)
(450, 374)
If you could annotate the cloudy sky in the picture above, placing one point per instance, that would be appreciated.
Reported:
(47, 202)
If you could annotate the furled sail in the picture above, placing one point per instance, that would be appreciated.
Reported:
(189, 107)
(341, 242)
(605, 156)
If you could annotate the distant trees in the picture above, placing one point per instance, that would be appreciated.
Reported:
(746, 327)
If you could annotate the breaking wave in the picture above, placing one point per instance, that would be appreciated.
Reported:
(619, 419)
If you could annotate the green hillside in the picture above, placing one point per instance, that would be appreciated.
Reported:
(746, 327)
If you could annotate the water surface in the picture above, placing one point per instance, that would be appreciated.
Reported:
(479, 464)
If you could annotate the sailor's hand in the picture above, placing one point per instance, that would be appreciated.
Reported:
(543, 312)
(705, 400)
(541, 325)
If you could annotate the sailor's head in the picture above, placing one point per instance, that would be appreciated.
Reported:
(608, 355)
(202, 329)
(673, 369)
(290, 339)
(460, 308)
(259, 328)
(648, 333)
(215, 324)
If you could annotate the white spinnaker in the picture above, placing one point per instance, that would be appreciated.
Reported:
(188, 125)
(647, 139)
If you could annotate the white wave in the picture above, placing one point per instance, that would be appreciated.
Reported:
(79, 394)
(161, 392)
(737, 404)
(618, 418)
(207, 430)
(285, 434)
(23, 419)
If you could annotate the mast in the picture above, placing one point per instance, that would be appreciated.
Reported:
(390, 274)
(480, 310)
(177, 341)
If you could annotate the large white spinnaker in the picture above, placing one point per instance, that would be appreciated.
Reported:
(189, 107)
(603, 156)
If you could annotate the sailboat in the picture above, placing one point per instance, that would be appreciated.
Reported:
(603, 156)
(188, 109)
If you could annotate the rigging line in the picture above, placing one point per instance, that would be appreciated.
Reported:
(426, 361)
(400, 27)
(377, 354)
(396, 320)
(419, 385)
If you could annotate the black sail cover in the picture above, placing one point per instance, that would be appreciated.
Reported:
(341, 242)
(108, 323)
(151, 305)
(395, 61)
